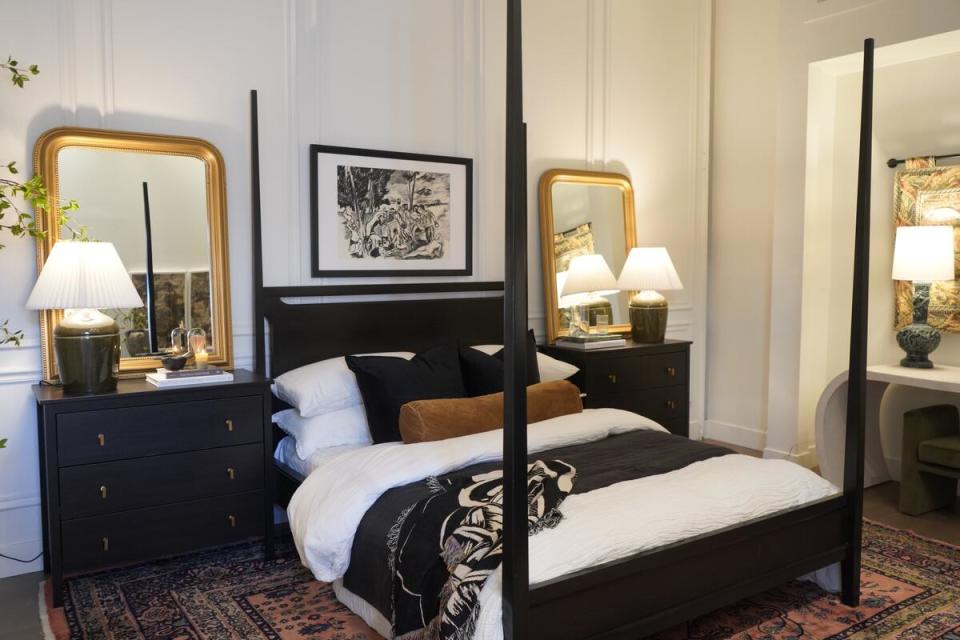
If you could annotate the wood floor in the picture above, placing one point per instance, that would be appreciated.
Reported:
(19, 618)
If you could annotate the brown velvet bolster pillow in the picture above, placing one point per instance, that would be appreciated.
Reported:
(429, 420)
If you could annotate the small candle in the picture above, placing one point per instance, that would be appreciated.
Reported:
(201, 358)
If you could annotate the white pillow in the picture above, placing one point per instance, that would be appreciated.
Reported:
(334, 429)
(550, 368)
(325, 386)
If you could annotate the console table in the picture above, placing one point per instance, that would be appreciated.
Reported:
(831, 416)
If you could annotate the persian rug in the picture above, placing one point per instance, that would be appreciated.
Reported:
(911, 591)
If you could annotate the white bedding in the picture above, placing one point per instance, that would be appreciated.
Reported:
(708, 495)
(286, 452)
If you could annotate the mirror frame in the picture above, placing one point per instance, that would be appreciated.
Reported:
(45, 162)
(574, 176)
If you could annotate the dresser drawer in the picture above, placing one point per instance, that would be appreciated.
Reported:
(91, 543)
(616, 374)
(109, 487)
(665, 405)
(130, 432)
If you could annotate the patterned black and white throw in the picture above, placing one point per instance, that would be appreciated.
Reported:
(444, 547)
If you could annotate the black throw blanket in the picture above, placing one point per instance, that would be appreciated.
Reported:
(628, 456)
(445, 547)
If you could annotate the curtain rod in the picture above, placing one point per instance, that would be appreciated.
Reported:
(893, 162)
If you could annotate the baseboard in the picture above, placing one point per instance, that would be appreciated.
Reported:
(25, 549)
(806, 457)
(735, 434)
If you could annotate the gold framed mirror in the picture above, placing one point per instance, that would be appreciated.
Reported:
(582, 213)
(117, 177)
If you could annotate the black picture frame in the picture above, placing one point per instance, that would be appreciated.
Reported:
(316, 150)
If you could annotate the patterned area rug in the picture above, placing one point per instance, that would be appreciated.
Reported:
(911, 591)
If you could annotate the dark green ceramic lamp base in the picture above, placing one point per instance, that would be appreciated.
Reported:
(919, 339)
(648, 317)
(88, 358)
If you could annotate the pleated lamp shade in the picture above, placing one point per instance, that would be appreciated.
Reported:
(649, 269)
(589, 274)
(84, 275)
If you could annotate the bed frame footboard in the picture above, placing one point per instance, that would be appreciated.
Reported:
(656, 590)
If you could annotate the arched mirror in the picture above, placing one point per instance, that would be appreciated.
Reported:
(161, 201)
(584, 213)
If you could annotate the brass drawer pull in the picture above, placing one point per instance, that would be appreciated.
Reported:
(671, 404)
(671, 372)
(232, 520)
(103, 492)
(231, 473)
(102, 439)
(105, 543)
(229, 425)
(612, 377)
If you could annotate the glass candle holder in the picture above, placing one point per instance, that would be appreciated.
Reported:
(178, 340)
(603, 324)
(197, 340)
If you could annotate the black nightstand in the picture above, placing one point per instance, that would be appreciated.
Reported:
(650, 379)
(143, 473)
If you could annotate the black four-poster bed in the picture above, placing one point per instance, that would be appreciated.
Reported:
(627, 598)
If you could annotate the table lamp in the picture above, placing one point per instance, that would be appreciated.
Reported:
(921, 255)
(82, 277)
(647, 271)
(589, 275)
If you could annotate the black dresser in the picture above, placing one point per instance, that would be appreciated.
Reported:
(144, 473)
(650, 379)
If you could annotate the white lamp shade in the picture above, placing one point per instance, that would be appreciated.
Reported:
(923, 254)
(565, 302)
(589, 274)
(84, 275)
(649, 269)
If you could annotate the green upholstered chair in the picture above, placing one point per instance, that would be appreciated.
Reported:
(930, 465)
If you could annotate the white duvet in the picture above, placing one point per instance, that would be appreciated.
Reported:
(712, 494)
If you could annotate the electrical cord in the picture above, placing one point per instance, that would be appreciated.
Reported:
(3, 555)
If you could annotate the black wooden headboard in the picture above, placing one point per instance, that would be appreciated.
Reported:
(303, 333)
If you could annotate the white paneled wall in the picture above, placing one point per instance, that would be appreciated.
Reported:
(619, 85)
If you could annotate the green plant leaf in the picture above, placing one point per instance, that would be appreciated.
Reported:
(3, 443)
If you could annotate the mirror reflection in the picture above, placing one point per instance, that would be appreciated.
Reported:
(585, 213)
(153, 208)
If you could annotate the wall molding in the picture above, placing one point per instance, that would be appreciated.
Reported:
(19, 501)
(701, 93)
(67, 60)
(736, 434)
(598, 18)
(108, 69)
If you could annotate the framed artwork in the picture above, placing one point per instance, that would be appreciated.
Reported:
(385, 213)
(928, 195)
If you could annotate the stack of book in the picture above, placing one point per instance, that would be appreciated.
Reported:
(165, 378)
(588, 343)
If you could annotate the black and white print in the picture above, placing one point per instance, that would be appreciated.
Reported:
(386, 213)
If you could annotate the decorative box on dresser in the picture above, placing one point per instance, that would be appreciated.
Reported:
(650, 379)
(144, 473)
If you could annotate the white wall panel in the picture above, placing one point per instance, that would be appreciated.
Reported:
(410, 75)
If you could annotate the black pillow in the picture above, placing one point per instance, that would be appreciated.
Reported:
(387, 383)
(483, 374)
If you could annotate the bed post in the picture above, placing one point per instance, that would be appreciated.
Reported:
(259, 346)
(853, 465)
(516, 584)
